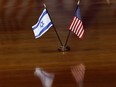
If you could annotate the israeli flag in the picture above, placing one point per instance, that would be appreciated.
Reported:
(43, 24)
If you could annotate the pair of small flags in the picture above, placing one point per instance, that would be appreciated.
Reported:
(44, 23)
(47, 79)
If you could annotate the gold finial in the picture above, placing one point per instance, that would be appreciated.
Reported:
(78, 2)
(44, 5)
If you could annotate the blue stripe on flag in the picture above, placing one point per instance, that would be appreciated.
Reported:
(38, 23)
(44, 29)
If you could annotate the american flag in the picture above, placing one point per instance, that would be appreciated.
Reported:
(78, 72)
(77, 25)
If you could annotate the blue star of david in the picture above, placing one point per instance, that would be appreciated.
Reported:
(41, 24)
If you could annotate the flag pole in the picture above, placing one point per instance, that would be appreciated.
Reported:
(53, 25)
(70, 30)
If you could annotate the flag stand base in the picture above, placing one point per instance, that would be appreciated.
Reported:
(64, 48)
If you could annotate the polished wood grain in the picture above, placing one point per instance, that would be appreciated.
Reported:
(20, 53)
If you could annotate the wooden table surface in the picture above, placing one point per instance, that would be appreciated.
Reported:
(21, 53)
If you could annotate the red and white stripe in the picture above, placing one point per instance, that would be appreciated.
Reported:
(77, 27)
(78, 72)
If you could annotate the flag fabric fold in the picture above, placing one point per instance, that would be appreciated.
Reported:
(76, 25)
(43, 24)
(78, 72)
(46, 78)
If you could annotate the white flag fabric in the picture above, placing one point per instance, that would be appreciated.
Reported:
(46, 78)
(78, 73)
(43, 24)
